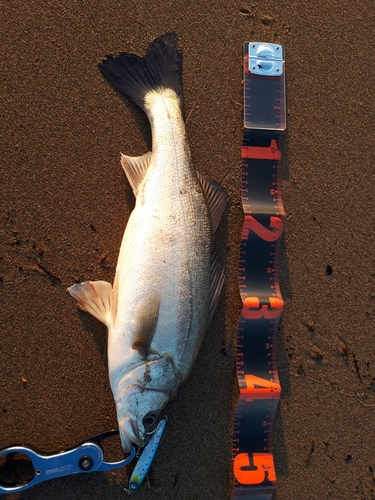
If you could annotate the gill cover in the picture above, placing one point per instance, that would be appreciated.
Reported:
(142, 394)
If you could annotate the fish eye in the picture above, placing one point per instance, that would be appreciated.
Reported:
(150, 420)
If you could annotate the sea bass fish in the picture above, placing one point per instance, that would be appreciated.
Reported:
(167, 280)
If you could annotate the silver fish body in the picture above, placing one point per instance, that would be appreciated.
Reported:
(164, 288)
(166, 248)
(164, 259)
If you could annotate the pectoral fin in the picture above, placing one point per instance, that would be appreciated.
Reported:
(135, 168)
(114, 300)
(96, 297)
(146, 317)
(216, 199)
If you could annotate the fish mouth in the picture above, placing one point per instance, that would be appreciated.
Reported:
(129, 434)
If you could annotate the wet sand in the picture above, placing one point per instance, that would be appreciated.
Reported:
(65, 202)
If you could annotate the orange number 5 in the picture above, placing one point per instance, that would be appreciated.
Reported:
(255, 472)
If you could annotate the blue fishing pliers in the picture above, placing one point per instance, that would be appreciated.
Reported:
(88, 457)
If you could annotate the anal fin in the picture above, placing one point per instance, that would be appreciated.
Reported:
(95, 296)
(135, 168)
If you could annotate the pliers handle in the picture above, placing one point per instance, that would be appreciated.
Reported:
(87, 457)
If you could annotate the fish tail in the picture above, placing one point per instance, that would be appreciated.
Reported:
(136, 76)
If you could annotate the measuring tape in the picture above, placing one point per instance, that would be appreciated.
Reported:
(262, 305)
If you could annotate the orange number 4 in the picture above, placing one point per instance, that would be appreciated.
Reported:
(260, 388)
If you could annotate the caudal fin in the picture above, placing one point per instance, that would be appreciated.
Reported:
(135, 76)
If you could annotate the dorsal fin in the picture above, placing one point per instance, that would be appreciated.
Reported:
(216, 199)
(135, 168)
(96, 297)
(217, 282)
(146, 316)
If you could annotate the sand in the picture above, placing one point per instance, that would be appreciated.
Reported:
(65, 202)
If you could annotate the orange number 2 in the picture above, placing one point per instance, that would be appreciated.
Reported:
(273, 234)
